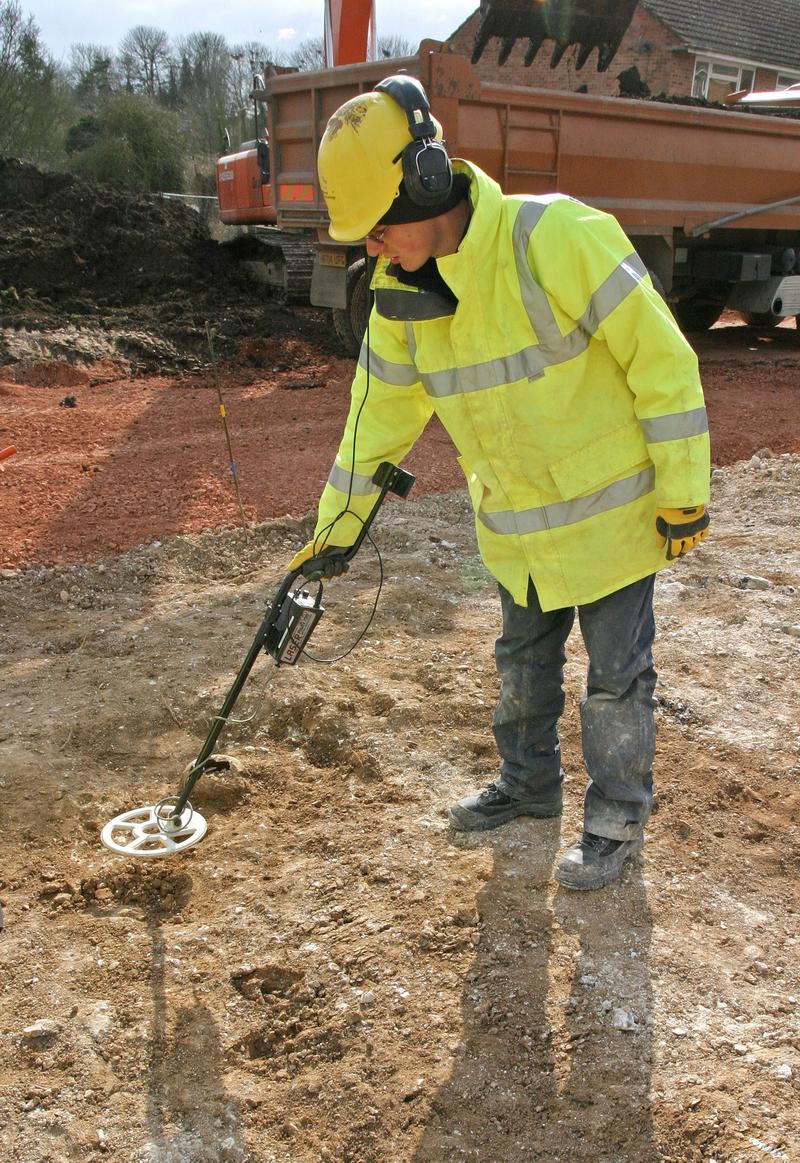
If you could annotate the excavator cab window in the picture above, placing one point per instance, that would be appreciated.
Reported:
(262, 144)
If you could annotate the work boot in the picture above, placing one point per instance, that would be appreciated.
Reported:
(492, 807)
(595, 860)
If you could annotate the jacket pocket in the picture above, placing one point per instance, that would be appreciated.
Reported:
(615, 455)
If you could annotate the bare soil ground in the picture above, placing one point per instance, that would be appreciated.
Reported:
(331, 974)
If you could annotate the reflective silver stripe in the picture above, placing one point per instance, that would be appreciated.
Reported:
(358, 484)
(534, 299)
(569, 512)
(675, 426)
(553, 348)
(619, 284)
(530, 363)
(401, 375)
(608, 296)
(412, 304)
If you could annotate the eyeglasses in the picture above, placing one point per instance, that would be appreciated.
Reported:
(377, 235)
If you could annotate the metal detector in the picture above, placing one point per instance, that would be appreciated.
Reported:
(171, 825)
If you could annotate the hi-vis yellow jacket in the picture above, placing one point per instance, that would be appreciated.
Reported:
(570, 394)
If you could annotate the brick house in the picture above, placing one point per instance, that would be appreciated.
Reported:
(680, 47)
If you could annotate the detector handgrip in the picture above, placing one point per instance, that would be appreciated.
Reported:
(390, 479)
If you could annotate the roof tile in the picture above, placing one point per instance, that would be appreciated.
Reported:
(765, 31)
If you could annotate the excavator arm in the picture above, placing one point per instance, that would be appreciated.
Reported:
(588, 24)
(349, 31)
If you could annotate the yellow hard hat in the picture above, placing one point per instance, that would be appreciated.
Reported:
(359, 163)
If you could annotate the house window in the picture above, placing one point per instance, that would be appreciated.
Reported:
(714, 80)
(785, 81)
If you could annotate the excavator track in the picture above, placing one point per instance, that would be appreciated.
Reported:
(587, 24)
(298, 257)
(282, 259)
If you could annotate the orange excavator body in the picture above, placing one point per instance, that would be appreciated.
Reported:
(243, 189)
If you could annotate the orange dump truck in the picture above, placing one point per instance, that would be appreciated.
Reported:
(710, 197)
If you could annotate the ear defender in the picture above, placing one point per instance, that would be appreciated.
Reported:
(427, 174)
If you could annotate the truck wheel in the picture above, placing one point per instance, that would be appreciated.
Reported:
(697, 314)
(351, 322)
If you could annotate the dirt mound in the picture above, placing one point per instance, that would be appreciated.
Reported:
(103, 258)
(83, 245)
(49, 373)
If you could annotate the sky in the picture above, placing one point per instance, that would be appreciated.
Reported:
(277, 25)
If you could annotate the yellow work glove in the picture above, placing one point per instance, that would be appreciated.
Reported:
(321, 569)
(681, 529)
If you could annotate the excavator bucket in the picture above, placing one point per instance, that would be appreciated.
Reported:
(588, 24)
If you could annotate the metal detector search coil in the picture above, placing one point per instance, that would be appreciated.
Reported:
(153, 831)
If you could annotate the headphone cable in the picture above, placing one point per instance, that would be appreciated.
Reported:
(327, 530)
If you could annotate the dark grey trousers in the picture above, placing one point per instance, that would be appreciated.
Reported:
(617, 710)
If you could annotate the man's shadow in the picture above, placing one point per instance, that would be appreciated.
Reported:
(555, 1057)
(189, 1114)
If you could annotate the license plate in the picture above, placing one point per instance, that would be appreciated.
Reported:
(333, 258)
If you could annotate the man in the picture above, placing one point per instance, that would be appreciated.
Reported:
(532, 329)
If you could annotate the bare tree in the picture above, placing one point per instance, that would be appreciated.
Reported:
(309, 54)
(396, 46)
(206, 69)
(263, 55)
(207, 52)
(144, 56)
(92, 74)
(83, 56)
(247, 60)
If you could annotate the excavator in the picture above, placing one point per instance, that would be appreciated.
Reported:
(285, 258)
(588, 24)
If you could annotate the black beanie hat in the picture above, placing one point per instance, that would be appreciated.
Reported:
(403, 209)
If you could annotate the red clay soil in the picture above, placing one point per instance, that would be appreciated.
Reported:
(105, 463)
